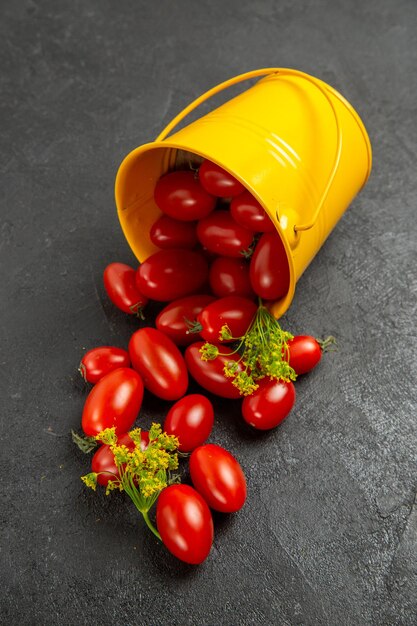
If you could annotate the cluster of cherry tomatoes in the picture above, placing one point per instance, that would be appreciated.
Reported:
(219, 254)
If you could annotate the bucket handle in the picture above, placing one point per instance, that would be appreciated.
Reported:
(266, 72)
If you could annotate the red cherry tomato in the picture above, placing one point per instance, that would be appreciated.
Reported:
(305, 353)
(220, 233)
(210, 374)
(247, 212)
(185, 524)
(230, 277)
(217, 181)
(172, 320)
(103, 462)
(180, 195)
(114, 401)
(234, 311)
(218, 477)
(269, 405)
(167, 233)
(191, 420)
(98, 362)
(121, 287)
(269, 270)
(159, 362)
(171, 274)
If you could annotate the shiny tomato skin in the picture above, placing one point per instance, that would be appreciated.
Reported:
(120, 285)
(98, 362)
(114, 401)
(305, 353)
(103, 462)
(172, 319)
(184, 521)
(218, 477)
(159, 362)
(269, 271)
(236, 312)
(190, 419)
(171, 274)
(168, 232)
(230, 277)
(210, 374)
(220, 233)
(180, 195)
(217, 181)
(269, 405)
(247, 212)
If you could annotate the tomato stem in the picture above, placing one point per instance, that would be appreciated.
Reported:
(325, 344)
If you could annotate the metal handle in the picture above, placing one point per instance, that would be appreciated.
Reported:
(265, 72)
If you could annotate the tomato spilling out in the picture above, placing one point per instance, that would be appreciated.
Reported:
(171, 274)
(168, 232)
(159, 362)
(191, 421)
(103, 461)
(247, 212)
(210, 374)
(220, 233)
(269, 405)
(217, 181)
(98, 362)
(234, 311)
(120, 285)
(218, 477)
(180, 195)
(305, 352)
(230, 277)
(173, 319)
(114, 401)
(185, 524)
(269, 270)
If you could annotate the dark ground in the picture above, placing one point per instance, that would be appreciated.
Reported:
(329, 532)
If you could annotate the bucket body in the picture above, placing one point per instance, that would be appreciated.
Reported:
(292, 140)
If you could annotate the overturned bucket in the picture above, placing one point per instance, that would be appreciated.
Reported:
(292, 140)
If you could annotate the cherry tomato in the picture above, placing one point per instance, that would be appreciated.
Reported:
(114, 401)
(159, 362)
(172, 320)
(269, 270)
(230, 277)
(103, 462)
(234, 311)
(220, 233)
(121, 287)
(305, 353)
(218, 477)
(98, 362)
(217, 181)
(185, 524)
(180, 195)
(171, 274)
(210, 374)
(191, 420)
(269, 405)
(167, 233)
(247, 212)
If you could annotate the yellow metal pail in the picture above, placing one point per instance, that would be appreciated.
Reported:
(292, 140)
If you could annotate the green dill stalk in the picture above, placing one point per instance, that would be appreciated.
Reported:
(141, 474)
(263, 352)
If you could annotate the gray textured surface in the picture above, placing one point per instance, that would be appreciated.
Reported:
(329, 532)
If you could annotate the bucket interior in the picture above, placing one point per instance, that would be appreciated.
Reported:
(135, 184)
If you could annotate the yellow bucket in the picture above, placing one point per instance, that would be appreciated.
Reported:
(292, 140)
